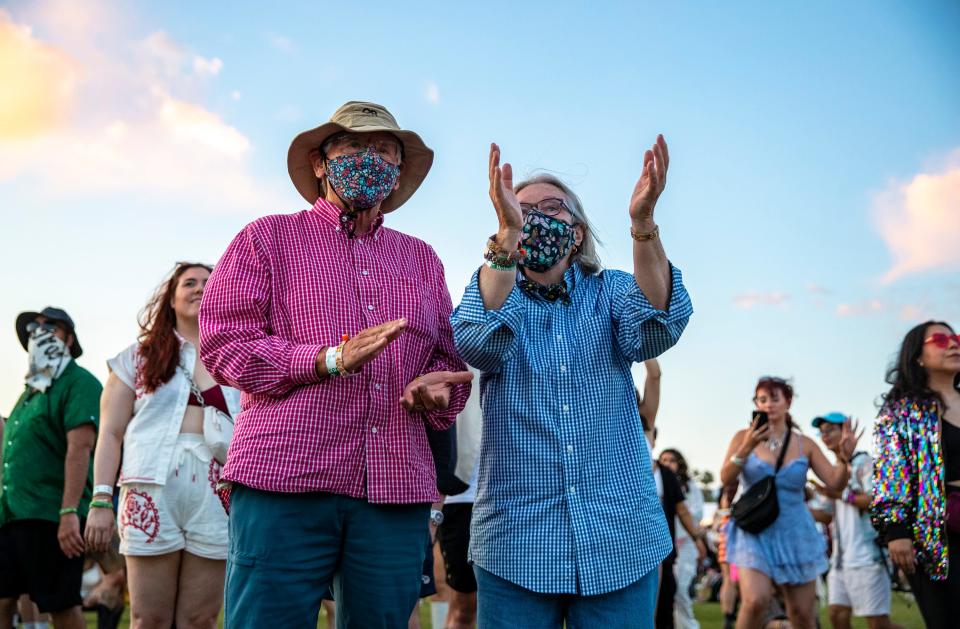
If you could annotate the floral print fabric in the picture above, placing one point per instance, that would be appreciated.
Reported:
(362, 181)
(545, 241)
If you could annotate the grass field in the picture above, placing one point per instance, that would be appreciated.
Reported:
(905, 613)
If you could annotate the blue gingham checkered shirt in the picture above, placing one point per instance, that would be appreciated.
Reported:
(566, 501)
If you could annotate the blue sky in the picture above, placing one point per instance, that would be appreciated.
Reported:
(813, 199)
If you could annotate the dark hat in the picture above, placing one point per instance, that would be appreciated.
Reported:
(53, 314)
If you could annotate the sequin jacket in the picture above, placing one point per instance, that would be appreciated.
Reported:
(908, 487)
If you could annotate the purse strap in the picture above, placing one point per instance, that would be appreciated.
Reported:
(783, 451)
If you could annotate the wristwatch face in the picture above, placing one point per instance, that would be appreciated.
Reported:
(436, 517)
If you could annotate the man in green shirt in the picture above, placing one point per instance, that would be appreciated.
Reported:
(47, 473)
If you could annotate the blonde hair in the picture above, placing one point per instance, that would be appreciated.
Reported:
(586, 254)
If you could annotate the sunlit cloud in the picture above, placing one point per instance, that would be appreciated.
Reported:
(135, 123)
(817, 289)
(746, 301)
(920, 221)
(281, 43)
(38, 82)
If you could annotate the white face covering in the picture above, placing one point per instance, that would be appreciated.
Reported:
(49, 356)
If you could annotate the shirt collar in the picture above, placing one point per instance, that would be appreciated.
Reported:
(570, 277)
(330, 214)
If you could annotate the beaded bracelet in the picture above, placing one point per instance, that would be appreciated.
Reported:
(499, 258)
(101, 504)
(68, 510)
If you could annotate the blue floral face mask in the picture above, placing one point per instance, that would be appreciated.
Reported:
(545, 240)
(362, 180)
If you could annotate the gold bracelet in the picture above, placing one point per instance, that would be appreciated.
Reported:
(642, 236)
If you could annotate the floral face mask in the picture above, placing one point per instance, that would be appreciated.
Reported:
(545, 240)
(362, 180)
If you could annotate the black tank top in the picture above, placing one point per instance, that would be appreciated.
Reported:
(951, 450)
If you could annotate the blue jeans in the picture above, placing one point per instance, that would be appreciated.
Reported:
(287, 549)
(506, 605)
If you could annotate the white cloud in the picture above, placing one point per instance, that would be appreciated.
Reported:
(432, 93)
(136, 124)
(207, 67)
(817, 289)
(861, 308)
(235, 95)
(920, 221)
(746, 301)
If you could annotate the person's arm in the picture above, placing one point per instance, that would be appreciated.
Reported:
(894, 476)
(496, 284)
(651, 392)
(651, 270)
(76, 469)
(739, 449)
(116, 411)
(692, 528)
(821, 516)
(834, 476)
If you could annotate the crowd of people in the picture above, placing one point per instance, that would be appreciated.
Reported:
(312, 424)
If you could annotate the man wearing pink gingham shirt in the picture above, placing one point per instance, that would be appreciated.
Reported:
(336, 330)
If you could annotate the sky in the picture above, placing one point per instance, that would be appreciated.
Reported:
(812, 203)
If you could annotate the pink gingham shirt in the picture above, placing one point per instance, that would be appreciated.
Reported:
(290, 285)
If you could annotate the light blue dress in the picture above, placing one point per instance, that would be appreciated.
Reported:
(791, 550)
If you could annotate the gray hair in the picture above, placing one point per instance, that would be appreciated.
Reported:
(587, 252)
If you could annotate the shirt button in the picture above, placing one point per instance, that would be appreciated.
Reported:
(570, 448)
(559, 337)
(566, 408)
(376, 386)
(370, 307)
(563, 368)
(365, 272)
(374, 430)
(573, 489)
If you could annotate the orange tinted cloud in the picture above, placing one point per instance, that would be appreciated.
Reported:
(920, 221)
(38, 83)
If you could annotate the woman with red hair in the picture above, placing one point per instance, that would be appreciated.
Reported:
(788, 553)
(173, 529)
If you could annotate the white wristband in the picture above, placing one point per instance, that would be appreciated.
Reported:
(103, 489)
(331, 361)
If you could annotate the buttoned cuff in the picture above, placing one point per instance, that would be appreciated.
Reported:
(679, 307)
(303, 364)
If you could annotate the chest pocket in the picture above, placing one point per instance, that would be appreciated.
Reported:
(408, 298)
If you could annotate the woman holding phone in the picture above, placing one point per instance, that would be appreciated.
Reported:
(789, 553)
(916, 488)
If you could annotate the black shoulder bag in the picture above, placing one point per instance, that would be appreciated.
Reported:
(758, 507)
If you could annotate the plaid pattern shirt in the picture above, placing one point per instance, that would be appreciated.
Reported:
(566, 502)
(290, 285)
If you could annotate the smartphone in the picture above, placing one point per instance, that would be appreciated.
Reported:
(759, 419)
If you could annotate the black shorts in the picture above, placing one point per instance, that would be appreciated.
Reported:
(32, 563)
(454, 538)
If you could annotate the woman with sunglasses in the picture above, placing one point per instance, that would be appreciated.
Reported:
(916, 489)
(790, 553)
(567, 526)
(173, 529)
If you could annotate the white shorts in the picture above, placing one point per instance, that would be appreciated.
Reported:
(866, 589)
(183, 514)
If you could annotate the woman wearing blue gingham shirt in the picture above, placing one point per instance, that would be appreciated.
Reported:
(567, 526)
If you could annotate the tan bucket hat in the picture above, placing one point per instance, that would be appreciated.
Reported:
(359, 117)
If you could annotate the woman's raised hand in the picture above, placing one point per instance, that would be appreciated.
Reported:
(652, 181)
(504, 199)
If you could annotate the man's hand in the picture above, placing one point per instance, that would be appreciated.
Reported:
(366, 345)
(71, 543)
(651, 183)
(431, 392)
(850, 435)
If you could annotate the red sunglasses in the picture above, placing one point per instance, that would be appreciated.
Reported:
(942, 340)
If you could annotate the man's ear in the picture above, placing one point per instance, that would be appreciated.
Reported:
(318, 163)
(396, 184)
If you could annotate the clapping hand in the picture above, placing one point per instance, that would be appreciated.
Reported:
(432, 391)
(504, 199)
(652, 181)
